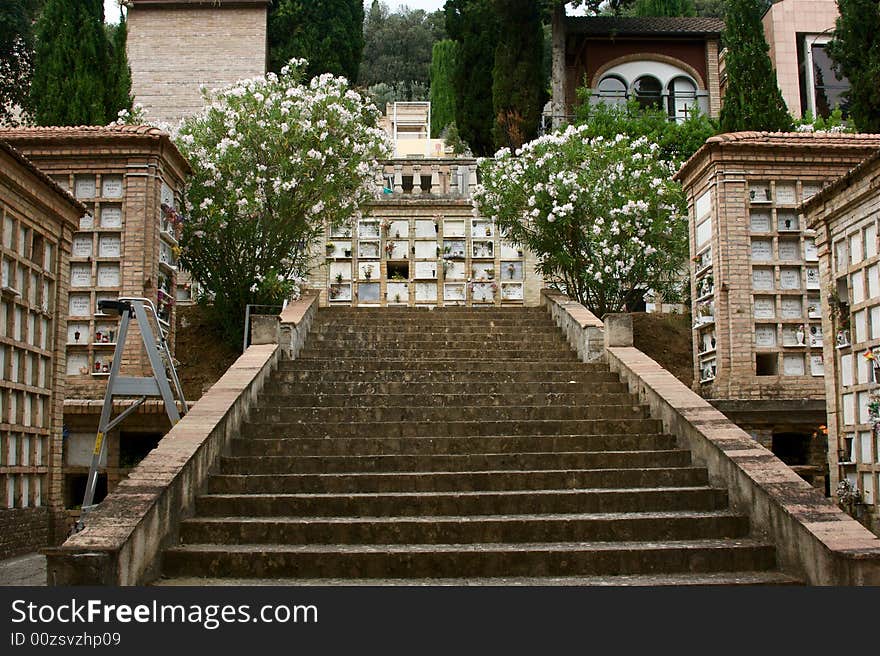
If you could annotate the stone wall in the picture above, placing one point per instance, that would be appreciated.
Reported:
(24, 530)
(174, 49)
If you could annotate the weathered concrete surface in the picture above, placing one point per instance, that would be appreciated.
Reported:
(296, 320)
(815, 540)
(27, 570)
(618, 330)
(582, 329)
(125, 534)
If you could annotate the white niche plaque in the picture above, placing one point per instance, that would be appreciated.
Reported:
(79, 305)
(111, 216)
(792, 308)
(765, 336)
(109, 246)
(762, 250)
(764, 307)
(82, 246)
(111, 187)
(108, 275)
(762, 278)
(790, 278)
(80, 275)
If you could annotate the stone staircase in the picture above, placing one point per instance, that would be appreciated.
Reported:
(462, 446)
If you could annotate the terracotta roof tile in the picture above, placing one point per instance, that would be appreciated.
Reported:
(841, 183)
(825, 140)
(623, 26)
(57, 188)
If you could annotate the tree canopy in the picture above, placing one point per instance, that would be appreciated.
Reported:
(16, 58)
(753, 100)
(442, 90)
(474, 25)
(327, 33)
(398, 48)
(75, 80)
(518, 79)
(274, 160)
(855, 49)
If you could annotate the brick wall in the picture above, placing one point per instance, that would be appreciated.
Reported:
(24, 530)
(174, 50)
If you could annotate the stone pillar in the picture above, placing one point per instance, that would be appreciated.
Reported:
(453, 180)
(417, 179)
(618, 330)
(398, 178)
(472, 180)
(435, 179)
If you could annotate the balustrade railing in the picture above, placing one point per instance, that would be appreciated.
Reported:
(430, 177)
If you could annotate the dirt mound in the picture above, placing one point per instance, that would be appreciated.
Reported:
(667, 339)
(201, 352)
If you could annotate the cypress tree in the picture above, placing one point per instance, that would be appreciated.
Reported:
(665, 8)
(442, 92)
(752, 100)
(473, 25)
(119, 85)
(71, 64)
(328, 33)
(16, 59)
(855, 49)
(518, 88)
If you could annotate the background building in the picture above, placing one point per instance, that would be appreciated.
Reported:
(755, 287)
(671, 63)
(797, 32)
(845, 216)
(38, 219)
(176, 46)
(130, 179)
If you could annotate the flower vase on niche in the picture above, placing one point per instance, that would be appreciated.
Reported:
(105, 369)
(76, 336)
(799, 336)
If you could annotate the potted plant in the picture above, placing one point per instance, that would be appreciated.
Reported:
(339, 278)
(368, 271)
(511, 270)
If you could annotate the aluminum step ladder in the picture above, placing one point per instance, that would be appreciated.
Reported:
(158, 385)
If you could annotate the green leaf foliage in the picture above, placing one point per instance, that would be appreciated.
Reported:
(119, 83)
(72, 82)
(442, 89)
(752, 100)
(275, 161)
(518, 88)
(398, 47)
(856, 50)
(473, 24)
(603, 216)
(664, 8)
(327, 33)
(16, 59)
(676, 140)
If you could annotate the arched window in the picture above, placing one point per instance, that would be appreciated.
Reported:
(682, 98)
(648, 91)
(612, 90)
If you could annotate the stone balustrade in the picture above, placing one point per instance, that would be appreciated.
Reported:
(453, 178)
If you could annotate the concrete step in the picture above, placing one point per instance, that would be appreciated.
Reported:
(639, 580)
(468, 462)
(478, 365)
(472, 331)
(432, 354)
(364, 446)
(415, 356)
(588, 380)
(460, 409)
(276, 391)
(637, 486)
(434, 340)
(444, 428)
(688, 497)
(465, 529)
(463, 560)
(427, 399)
